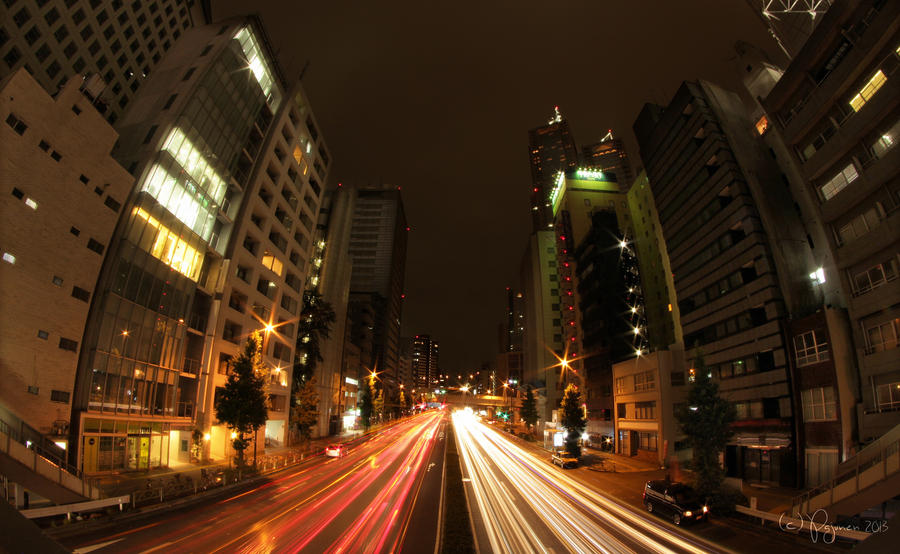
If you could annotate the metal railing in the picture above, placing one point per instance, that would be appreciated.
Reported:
(870, 466)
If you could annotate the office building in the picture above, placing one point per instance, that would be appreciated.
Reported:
(833, 120)
(213, 245)
(551, 150)
(117, 45)
(728, 223)
(63, 193)
(425, 363)
(378, 247)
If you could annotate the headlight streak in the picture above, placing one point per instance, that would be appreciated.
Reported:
(504, 521)
(591, 501)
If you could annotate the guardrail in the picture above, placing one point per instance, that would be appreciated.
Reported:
(69, 509)
(869, 469)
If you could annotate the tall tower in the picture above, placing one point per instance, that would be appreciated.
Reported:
(552, 149)
(609, 156)
(425, 361)
(378, 247)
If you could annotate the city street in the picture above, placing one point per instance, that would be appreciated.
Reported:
(524, 504)
(369, 499)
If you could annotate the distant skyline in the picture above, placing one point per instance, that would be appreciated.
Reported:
(439, 100)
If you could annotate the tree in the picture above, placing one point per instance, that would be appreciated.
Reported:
(242, 405)
(366, 404)
(378, 405)
(316, 319)
(529, 408)
(305, 413)
(706, 420)
(573, 419)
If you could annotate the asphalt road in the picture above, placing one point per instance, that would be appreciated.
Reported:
(522, 503)
(382, 496)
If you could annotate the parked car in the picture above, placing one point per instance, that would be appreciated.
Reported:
(335, 450)
(675, 500)
(563, 459)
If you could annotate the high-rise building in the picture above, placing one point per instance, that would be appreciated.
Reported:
(213, 244)
(63, 193)
(609, 156)
(658, 287)
(425, 361)
(728, 225)
(542, 337)
(598, 282)
(330, 277)
(116, 45)
(833, 121)
(552, 149)
(378, 248)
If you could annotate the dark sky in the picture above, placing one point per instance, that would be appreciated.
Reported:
(439, 100)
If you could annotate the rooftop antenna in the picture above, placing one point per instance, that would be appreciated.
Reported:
(608, 136)
(556, 118)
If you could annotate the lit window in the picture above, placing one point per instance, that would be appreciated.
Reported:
(762, 125)
(31, 203)
(272, 263)
(173, 250)
(258, 66)
(839, 181)
(886, 141)
(868, 91)
(9, 258)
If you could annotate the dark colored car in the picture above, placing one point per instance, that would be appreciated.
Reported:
(675, 500)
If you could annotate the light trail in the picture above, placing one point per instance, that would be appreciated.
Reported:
(570, 511)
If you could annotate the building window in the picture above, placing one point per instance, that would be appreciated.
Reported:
(886, 140)
(620, 385)
(837, 183)
(17, 124)
(648, 441)
(818, 404)
(645, 410)
(875, 276)
(95, 246)
(882, 336)
(811, 348)
(887, 397)
(645, 381)
(59, 396)
(112, 204)
(68, 344)
(868, 91)
(81, 294)
(43, 335)
(232, 332)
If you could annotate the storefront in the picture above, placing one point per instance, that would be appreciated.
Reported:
(123, 445)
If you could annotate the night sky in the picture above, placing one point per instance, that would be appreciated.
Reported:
(439, 100)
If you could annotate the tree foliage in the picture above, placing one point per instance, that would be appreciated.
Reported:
(316, 319)
(529, 408)
(706, 420)
(378, 404)
(305, 412)
(366, 403)
(573, 419)
(242, 405)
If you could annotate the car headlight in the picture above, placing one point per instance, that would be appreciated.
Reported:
(688, 513)
(705, 509)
